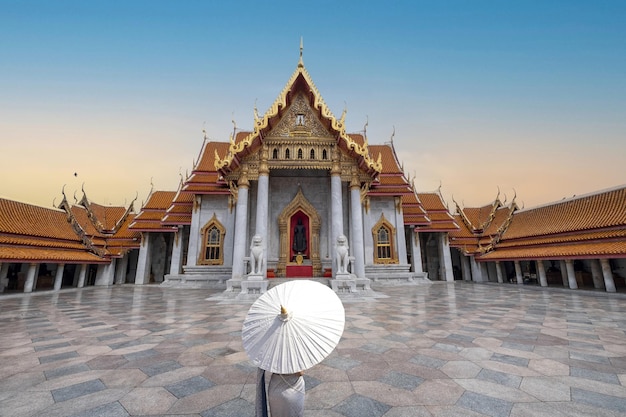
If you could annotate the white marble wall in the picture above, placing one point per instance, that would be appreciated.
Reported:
(210, 205)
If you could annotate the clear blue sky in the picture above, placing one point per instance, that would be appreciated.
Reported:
(526, 96)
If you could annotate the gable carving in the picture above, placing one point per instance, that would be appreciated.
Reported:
(300, 120)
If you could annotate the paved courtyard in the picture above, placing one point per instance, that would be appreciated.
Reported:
(439, 350)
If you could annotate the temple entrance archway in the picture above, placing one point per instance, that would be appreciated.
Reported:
(299, 226)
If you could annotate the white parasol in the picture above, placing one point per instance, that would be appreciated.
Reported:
(293, 326)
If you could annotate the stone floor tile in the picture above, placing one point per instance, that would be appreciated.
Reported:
(545, 388)
(484, 404)
(148, 401)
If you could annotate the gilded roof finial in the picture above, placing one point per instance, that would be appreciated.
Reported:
(300, 62)
(393, 133)
(204, 130)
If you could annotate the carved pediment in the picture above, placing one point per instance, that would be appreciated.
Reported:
(300, 120)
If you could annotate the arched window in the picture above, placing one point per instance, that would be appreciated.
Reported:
(384, 237)
(286, 153)
(300, 155)
(312, 154)
(275, 154)
(324, 155)
(213, 243)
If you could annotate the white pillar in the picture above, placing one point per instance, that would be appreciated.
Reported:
(106, 273)
(446, 258)
(144, 260)
(609, 282)
(120, 270)
(484, 271)
(357, 228)
(262, 206)
(571, 274)
(477, 274)
(241, 226)
(563, 268)
(596, 274)
(176, 263)
(466, 269)
(416, 253)
(499, 272)
(58, 277)
(518, 272)
(541, 270)
(81, 275)
(29, 284)
(4, 272)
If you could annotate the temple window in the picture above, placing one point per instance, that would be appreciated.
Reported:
(312, 154)
(287, 153)
(275, 154)
(300, 119)
(300, 156)
(324, 154)
(384, 250)
(213, 241)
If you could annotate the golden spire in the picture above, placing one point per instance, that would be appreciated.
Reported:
(300, 62)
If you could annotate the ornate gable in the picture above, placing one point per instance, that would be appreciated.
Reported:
(299, 120)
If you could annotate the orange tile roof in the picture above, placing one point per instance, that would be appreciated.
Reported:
(589, 226)
(37, 234)
(149, 217)
(440, 219)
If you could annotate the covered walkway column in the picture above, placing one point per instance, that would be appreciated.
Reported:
(262, 201)
(596, 274)
(145, 260)
(120, 270)
(176, 263)
(241, 225)
(416, 253)
(499, 272)
(29, 284)
(446, 258)
(4, 272)
(541, 270)
(58, 277)
(81, 276)
(336, 207)
(518, 272)
(357, 226)
(466, 269)
(571, 274)
(609, 282)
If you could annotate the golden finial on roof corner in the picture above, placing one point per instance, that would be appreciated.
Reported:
(300, 61)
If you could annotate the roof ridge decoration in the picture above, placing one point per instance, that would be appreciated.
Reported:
(90, 214)
(78, 229)
(281, 103)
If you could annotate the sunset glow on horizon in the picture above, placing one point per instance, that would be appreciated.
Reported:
(480, 97)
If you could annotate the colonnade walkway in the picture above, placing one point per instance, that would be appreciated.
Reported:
(445, 349)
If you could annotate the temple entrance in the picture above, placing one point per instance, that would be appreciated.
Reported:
(299, 226)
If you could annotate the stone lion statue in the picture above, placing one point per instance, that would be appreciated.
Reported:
(343, 255)
(257, 255)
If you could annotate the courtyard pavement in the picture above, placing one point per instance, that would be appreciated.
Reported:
(445, 349)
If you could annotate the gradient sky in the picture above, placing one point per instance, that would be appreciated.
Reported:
(528, 97)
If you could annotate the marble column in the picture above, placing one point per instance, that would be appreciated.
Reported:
(596, 274)
(541, 270)
(609, 282)
(571, 274)
(262, 202)
(356, 211)
(336, 208)
(120, 270)
(416, 253)
(466, 269)
(144, 260)
(446, 258)
(499, 272)
(518, 272)
(58, 277)
(241, 226)
(4, 272)
(176, 263)
(82, 275)
(29, 284)
(563, 268)
(477, 274)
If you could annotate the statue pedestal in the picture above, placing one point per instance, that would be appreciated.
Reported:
(343, 282)
(255, 284)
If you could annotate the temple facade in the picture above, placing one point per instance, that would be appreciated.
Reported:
(296, 197)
